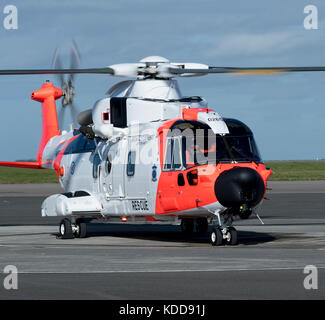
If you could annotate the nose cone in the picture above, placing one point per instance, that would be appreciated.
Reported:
(239, 186)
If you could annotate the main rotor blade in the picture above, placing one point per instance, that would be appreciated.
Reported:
(253, 71)
(105, 70)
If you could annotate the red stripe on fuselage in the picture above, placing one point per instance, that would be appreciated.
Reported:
(58, 159)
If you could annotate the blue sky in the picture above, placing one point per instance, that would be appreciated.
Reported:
(285, 112)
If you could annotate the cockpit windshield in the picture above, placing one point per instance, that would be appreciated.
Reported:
(229, 148)
(195, 145)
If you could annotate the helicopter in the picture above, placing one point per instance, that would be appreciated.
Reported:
(148, 154)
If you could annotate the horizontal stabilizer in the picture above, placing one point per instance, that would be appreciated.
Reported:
(31, 165)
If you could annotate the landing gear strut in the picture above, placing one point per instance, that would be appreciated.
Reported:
(224, 232)
(231, 236)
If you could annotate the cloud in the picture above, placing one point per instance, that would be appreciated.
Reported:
(225, 32)
(248, 44)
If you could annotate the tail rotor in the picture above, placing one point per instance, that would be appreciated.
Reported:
(67, 86)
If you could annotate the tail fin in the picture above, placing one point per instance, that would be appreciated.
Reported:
(50, 128)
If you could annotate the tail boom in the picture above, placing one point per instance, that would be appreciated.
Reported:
(30, 165)
(50, 127)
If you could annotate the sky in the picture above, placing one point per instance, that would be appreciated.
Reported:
(286, 112)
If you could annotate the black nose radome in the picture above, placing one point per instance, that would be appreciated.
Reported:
(239, 186)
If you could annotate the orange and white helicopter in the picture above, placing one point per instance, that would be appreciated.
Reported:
(148, 154)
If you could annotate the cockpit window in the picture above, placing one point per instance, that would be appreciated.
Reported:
(199, 145)
(214, 148)
(173, 156)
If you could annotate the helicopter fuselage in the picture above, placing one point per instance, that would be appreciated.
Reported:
(156, 157)
(150, 171)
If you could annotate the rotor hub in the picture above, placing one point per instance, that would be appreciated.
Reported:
(68, 93)
(154, 60)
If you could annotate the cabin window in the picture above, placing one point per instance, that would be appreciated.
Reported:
(108, 165)
(130, 169)
(105, 116)
(173, 154)
(181, 180)
(192, 177)
(81, 144)
(96, 165)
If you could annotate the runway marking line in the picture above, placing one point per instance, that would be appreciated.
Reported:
(165, 271)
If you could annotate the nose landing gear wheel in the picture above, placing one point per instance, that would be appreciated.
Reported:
(216, 237)
(65, 229)
(231, 237)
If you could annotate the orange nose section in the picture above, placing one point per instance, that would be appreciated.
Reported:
(239, 186)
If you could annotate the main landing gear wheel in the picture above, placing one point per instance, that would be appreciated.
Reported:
(231, 236)
(81, 229)
(187, 226)
(65, 229)
(216, 237)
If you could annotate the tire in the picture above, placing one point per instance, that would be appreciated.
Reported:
(202, 225)
(65, 229)
(216, 237)
(187, 226)
(82, 229)
(232, 237)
